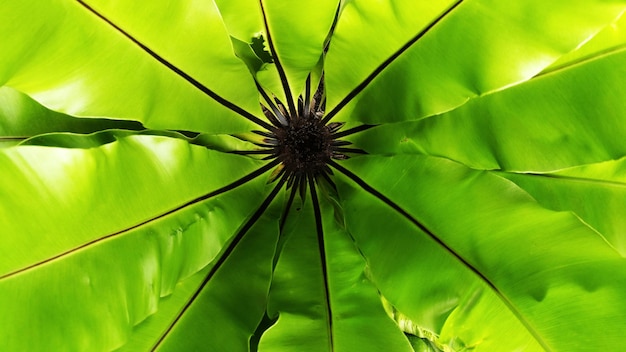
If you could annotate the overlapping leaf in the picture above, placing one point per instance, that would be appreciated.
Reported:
(321, 297)
(22, 118)
(73, 61)
(97, 229)
(456, 51)
(548, 123)
(88, 250)
(498, 236)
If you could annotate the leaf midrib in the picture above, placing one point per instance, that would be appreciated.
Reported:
(402, 212)
(223, 257)
(247, 178)
(204, 89)
(378, 70)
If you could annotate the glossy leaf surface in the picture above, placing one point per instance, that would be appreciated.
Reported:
(146, 203)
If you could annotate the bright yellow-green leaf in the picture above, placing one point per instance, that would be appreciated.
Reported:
(149, 202)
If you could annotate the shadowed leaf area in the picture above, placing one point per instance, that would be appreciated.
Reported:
(262, 175)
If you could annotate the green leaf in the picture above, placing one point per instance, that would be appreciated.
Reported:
(74, 53)
(235, 307)
(57, 265)
(611, 38)
(22, 118)
(476, 48)
(180, 324)
(486, 217)
(298, 31)
(550, 273)
(146, 334)
(595, 193)
(294, 34)
(324, 301)
(517, 128)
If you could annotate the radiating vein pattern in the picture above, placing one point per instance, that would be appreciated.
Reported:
(300, 140)
(301, 149)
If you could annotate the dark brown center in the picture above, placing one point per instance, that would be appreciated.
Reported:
(305, 145)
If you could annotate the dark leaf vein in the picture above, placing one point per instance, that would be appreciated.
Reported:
(204, 89)
(387, 62)
(224, 256)
(365, 186)
(224, 189)
(279, 66)
(323, 260)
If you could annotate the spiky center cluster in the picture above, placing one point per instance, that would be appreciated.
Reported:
(301, 140)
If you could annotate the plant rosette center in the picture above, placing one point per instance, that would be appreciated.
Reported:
(304, 146)
(302, 140)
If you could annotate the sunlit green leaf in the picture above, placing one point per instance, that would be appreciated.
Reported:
(324, 302)
(75, 264)
(548, 123)
(476, 48)
(22, 118)
(549, 271)
(174, 175)
(73, 53)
